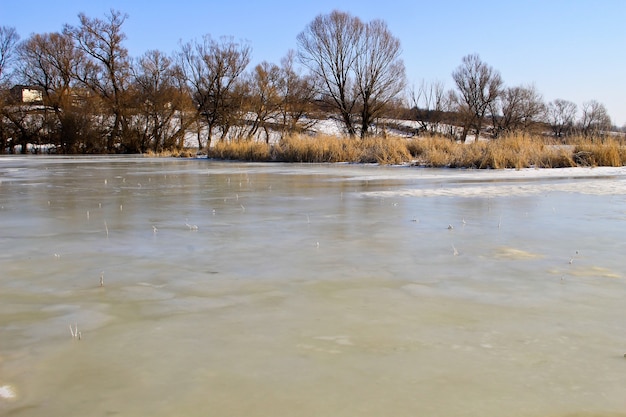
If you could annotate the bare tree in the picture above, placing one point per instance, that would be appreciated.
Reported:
(160, 103)
(358, 66)
(297, 93)
(9, 39)
(561, 116)
(479, 85)
(379, 72)
(107, 73)
(329, 47)
(264, 98)
(8, 42)
(517, 109)
(279, 98)
(430, 102)
(212, 69)
(187, 117)
(49, 61)
(595, 120)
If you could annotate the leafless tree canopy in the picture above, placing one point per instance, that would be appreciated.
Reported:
(562, 116)
(107, 72)
(297, 95)
(479, 85)
(49, 61)
(379, 71)
(211, 69)
(357, 64)
(517, 109)
(264, 98)
(328, 47)
(595, 119)
(159, 103)
(8, 42)
(430, 102)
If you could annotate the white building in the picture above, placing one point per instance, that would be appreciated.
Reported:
(27, 94)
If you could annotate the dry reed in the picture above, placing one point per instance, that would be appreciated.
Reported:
(172, 153)
(240, 151)
(609, 152)
(514, 151)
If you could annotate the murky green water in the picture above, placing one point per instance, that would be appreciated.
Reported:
(327, 290)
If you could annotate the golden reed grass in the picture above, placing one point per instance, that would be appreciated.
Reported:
(513, 151)
(608, 152)
(174, 153)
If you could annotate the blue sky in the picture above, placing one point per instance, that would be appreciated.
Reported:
(570, 49)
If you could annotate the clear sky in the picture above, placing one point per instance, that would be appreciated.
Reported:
(569, 49)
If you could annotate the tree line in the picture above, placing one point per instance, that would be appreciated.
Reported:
(92, 97)
(481, 103)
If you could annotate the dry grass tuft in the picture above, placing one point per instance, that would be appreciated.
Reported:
(386, 151)
(513, 151)
(609, 152)
(300, 148)
(172, 153)
(240, 151)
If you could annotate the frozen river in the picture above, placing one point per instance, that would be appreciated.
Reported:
(169, 287)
